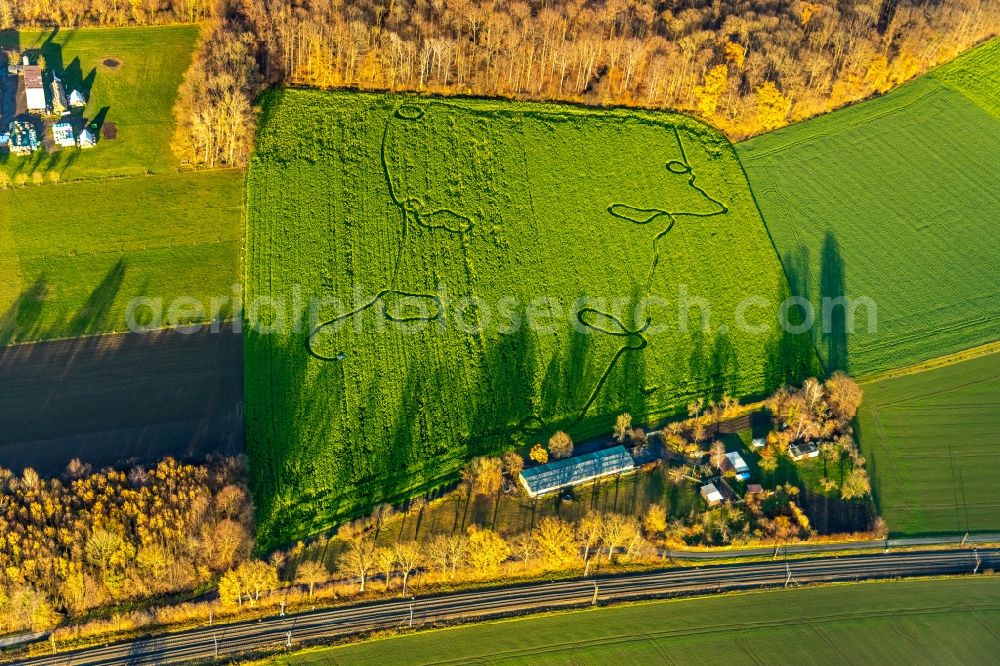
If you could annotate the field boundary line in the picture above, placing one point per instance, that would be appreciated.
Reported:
(934, 363)
(859, 123)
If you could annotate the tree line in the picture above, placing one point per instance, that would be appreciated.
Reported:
(744, 67)
(89, 539)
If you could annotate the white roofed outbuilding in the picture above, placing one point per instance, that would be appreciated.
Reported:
(63, 135)
(87, 139)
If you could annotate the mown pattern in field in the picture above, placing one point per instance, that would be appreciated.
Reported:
(73, 255)
(404, 208)
(929, 621)
(130, 77)
(931, 442)
(895, 199)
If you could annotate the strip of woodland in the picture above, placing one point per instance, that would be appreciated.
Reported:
(746, 67)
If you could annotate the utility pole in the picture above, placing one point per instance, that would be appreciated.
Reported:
(288, 638)
(215, 640)
(788, 569)
(282, 608)
(411, 613)
(593, 601)
(978, 561)
(964, 539)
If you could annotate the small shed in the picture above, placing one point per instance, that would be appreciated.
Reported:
(755, 489)
(87, 139)
(711, 493)
(759, 442)
(76, 99)
(63, 135)
(803, 450)
(735, 462)
(573, 471)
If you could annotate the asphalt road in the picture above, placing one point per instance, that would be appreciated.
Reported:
(276, 632)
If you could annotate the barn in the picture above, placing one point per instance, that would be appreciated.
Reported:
(34, 89)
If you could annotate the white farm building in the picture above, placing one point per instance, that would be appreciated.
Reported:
(76, 99)
(87, 139)
(34, 89)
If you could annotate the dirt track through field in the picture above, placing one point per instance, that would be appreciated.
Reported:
(112, 399)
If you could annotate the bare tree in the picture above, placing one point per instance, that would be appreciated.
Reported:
(560, 445)
(310, 573)
(359, 560)
(408, 557)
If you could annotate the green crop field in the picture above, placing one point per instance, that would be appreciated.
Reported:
(931, 442)
(136, 93)
(913, 622)
(507, 245)
(895, 199)
(73, 255)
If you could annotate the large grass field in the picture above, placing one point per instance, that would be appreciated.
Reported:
(137, 95)
(915, 622)
(895, 199)
(931, 441)
(73, 255)
(404, 208)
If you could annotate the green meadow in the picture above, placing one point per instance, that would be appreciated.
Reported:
(894, 200)
(913, 622)
(70, 268)
(930, 439)
(123, 222)
(130, 77)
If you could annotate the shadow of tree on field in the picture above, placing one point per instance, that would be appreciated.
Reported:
(791, 354)
(22, 319)
(834, 325)
(94, 315)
